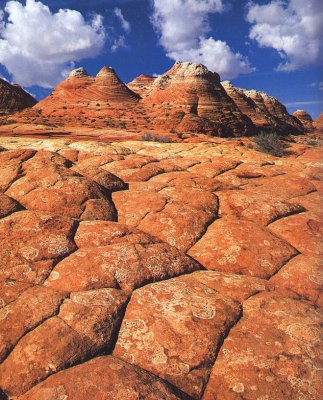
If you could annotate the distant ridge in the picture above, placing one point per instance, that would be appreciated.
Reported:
(186, 99)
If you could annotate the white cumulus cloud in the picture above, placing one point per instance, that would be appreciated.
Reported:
(119, 41)
(292, 27)
(38, 47)
(124, 23)
(183, 27)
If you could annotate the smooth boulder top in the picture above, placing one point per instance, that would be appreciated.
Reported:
(78, 73)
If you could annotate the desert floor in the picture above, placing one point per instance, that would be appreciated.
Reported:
(142, 270)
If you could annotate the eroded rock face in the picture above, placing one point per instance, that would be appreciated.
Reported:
(111, 89)
(305, 119)
(272, 106)
(78, 73)
(197, 94)
(318, 124)
(271, 353)
(13, 98)
(265, 111)
(142, 84)
(187, 99)
(206, 286)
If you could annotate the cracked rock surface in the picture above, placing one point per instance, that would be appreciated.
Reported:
(142, 270)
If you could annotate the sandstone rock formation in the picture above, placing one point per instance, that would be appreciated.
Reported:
(193, 96)
(80, 91)
(305, 119)
(186, 100)
(13, 98)
(265, 111)
(142, 84)
(159, 271)
(318, 124)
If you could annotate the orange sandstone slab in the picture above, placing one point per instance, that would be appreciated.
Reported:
(174, 328)
(10, 290)
(282, 188)
(123, 265)
(103, 233)
(31, 242)
(237, 287)
(303, 231)
(84, 326)
(178, 225)
(104, 178)
(261, 208)
(301, 276)
(31, 308)
(49, 185)
(272, 353)
(11, 163)
(243, 247)
(104, 378)
(175, 207)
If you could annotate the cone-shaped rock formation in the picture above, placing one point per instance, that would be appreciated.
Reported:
(194, 97)
(186, 99)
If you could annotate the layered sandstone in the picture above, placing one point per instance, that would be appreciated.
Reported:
(305, 119)
(186, 100)
(142, 84)
(193, 96)
(318, 124)
(79, 91)
(265, 111)
(13, 98)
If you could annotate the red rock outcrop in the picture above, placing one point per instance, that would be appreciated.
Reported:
(273, 106)
(265, 111)
(305, 119)
(318, 123)
(187, 99)
(142, 84)
(190, 92)
(81, 91)
(13, 98)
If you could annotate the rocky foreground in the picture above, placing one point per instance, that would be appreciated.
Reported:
(156, 271)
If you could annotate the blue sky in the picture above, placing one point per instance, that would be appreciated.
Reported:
(261, 45)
